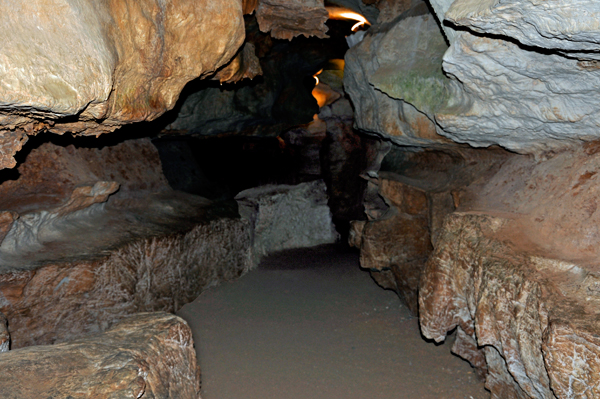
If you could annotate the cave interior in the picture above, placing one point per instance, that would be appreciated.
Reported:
(152, 150)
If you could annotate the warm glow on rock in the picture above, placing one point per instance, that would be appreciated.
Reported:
(342, 13)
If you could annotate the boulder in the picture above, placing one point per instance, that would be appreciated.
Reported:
(286, 217)
(149, 355)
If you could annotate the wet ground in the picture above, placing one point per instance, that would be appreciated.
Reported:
(309, 324)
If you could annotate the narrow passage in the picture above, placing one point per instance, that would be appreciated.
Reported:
(309, 324)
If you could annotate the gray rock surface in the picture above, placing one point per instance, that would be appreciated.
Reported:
(526, 101)
(553, 24)
(528, 97)
(90, 67)
(522, 75)
(286, 217)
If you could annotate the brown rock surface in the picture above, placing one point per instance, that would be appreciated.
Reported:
(149, 355)
(244, 65)
(91, 67)
(51, 173)
(534, 318)
(556, 199)
(286, 19)
(76, 256)
(395, 246)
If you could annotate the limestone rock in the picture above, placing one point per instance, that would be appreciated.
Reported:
(529, 97)
(524, 100)
(286, 217)
(555, 198)
(76, 256)
(516, 270)
(149, 355)
(503, 300)
(395, 246)
(570, 25)
(286, 19)
(264, 107)
(63, 300)
(384, 62)
(244, 65)
(90, 67)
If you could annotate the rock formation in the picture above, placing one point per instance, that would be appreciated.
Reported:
(149, 355)
(286, 217)
(500, 245)
(90, 67)
(77, 257)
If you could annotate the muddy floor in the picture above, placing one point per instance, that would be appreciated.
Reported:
(309, 324)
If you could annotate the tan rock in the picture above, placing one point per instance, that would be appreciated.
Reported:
(395, 246)
(244, 65)
(105, 64)
(149, 355)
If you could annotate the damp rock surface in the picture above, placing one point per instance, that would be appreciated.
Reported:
(149, 355)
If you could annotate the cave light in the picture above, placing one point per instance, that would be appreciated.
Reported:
(342, 13)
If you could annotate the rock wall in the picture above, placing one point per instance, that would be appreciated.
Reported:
(62, 301)
(531, 317)
(91, 235)
(519, 74)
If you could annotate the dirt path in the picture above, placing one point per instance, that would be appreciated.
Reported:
(309, 324)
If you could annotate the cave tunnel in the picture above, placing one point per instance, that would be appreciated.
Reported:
(299, 199)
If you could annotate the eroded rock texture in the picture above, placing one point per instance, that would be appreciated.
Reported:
(395, 80)
(286, 19)
(520, 74)
(286, 217)
(149, 355)
(78, 255)
(61, 301)
(516, 271)
(406, 203)
(89, 67)
(395, 246)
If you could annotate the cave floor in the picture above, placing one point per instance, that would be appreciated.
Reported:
(309, 324)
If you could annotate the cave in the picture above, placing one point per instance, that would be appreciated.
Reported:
(175, 173)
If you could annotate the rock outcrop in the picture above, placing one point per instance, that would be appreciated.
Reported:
(77, 255)
(395, 80)
(60, 301)
(515, 270)
(395, 246)
(286, 217)
(520, 74)
(88, 67)
(149, 355)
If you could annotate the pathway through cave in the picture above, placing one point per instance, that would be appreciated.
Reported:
(309, 324)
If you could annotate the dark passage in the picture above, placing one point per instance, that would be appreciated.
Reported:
(309, 324)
